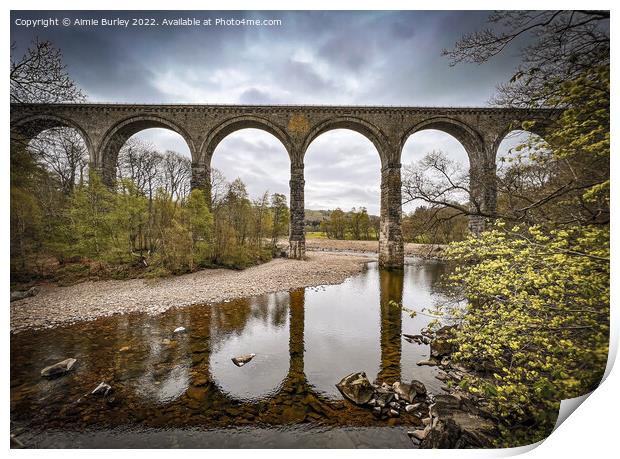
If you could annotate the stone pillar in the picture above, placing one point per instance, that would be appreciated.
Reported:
(483, 185)
(95, 168)
(201, 178)
(391, 252)
(297, 237)
(107, 171)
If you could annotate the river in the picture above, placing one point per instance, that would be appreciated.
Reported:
(183, 390)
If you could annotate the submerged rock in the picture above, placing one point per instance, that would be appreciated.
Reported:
(16, 443)
(357, 388)
(417, 339)
(196, 393)
(429, 362)
(243, 359)
(102, 389)
(58, 369)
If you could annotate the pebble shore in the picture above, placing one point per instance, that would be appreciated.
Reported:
(55, 306)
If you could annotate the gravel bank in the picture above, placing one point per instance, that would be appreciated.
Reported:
(55, 306)
(335, 245)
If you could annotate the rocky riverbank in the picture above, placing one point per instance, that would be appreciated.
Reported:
(54, 306)
(456, 419)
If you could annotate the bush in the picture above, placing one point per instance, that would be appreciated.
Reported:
(536, 326)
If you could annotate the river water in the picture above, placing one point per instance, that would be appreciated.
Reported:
(183, 390)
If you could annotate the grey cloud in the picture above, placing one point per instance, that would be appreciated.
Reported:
(303, 76)
(256, 96)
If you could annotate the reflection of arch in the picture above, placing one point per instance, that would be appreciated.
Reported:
(468, 137)
(248, 326)
(117, 135)
(236, 124)
(360, 126)
(29, 127)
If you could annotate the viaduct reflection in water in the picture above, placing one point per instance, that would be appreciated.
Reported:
(161, 379)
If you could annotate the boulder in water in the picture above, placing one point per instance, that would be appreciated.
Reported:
(428, 362)
(58, 369)
(357, 388)
(243, 359)
(405, 391)
(457, 423)
(102, 389)
(441, 345)
(419, 387)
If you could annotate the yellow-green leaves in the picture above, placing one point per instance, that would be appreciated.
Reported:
(537, 323)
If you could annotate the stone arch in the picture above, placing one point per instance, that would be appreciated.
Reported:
(468, 137)
(236, 124)
(29, 127)
(118, 134)
(368, 130)
(482, 187)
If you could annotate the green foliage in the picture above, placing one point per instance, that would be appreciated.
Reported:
(534, 328)
(563, 179)
(90, 229)
(355, 224)
(537, 323)
(125, 233)
(281, 218)
(434, 226)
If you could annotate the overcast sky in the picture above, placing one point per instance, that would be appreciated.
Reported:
(391, 58)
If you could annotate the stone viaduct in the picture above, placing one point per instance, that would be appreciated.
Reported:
(106, 127)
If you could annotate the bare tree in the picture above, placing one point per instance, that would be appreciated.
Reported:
(142, 164)
(63, 152)
(547, 189)
(41, 76)
(564, 63)
(219, 186)
(555, 46)
(177, 173)
(438, 182)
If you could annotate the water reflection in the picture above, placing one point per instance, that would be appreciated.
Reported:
(306, 340)
(263, 329)
(391, 297)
